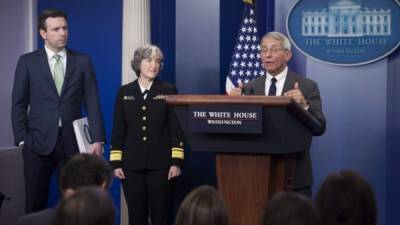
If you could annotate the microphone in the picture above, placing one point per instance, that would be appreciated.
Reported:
(246, 91)
(251, 91)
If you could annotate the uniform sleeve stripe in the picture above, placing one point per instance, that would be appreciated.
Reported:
(115, 150)
(177, 154)
(177, 149)
(115, 155)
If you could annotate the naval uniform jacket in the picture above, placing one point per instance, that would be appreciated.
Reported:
(146, 133)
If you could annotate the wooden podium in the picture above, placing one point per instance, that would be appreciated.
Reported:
(251, 167)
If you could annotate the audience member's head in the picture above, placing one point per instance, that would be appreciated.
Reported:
(203, 206)
(84, 170)
(346, 198)
(290, 208)
(86, 206)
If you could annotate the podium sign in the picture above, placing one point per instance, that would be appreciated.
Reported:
(250, 167)
(225, 119)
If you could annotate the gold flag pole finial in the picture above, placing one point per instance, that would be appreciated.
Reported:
(251, 2)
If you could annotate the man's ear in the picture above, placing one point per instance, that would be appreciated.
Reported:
(288, 55)
(43, 34)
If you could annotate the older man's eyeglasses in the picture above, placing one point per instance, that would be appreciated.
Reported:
(273, 51)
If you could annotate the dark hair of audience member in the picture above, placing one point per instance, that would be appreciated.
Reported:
(346, 198)
(204, 205)
(86, 206)
(290, 208)
(85, 170)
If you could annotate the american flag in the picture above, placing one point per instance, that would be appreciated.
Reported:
(245, 65)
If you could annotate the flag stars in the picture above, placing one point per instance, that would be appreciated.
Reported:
(246, 65)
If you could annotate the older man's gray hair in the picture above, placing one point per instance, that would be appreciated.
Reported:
(279, 37)
(145, 52)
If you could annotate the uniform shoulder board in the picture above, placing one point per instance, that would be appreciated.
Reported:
(159, 97)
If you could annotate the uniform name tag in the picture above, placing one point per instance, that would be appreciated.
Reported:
(129, 98)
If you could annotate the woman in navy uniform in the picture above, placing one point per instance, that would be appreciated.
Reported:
(147, 142)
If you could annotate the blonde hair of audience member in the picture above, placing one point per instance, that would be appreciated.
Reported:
(346, 198)
(86, 206)
(290, 208)
(203, 206)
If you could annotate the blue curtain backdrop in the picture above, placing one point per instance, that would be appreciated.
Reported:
(393, 139)
(163, 35)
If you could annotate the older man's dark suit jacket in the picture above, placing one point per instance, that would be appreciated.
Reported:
(309, 88)
(37, 107)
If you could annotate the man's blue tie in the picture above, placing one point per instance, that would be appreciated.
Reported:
(272, 88)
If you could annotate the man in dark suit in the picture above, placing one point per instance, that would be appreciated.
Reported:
(50, 87)
(275, 52)
(82, 170)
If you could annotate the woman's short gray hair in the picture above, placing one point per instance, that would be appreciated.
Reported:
(145, 52)
(285, 43)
